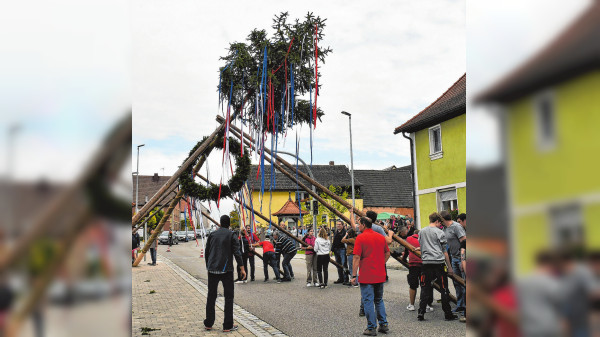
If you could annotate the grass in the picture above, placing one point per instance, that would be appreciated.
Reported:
(147, 281)
(146, 330)
(152, 291)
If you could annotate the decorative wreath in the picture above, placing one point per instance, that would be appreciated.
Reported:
(242, 171)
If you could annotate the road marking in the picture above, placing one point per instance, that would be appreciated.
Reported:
(255, 325)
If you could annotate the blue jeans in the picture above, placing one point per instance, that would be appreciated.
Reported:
(372, 300)
(269, 260)
(153, 255)
(340, 257)
(350, 259)
(460, 290)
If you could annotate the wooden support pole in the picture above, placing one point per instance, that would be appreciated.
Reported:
(139, 225)
(174, 203)
(208, 144)
(257, 213)
(247, 140)
(41, 283)
(120, 138)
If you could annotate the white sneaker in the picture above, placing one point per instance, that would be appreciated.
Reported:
(316, 284)
(309, 284)
(239, 282)
(245, 281)
(410, 307)
(428, 309)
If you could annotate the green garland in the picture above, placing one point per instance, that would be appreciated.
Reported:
(234, 185)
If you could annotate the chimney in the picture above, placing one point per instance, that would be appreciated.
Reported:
(155, 177)
(331, 163)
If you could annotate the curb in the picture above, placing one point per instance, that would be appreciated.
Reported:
(254, 324)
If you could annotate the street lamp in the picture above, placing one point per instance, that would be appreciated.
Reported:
(351, 157)
(137, 185)
(12, 131)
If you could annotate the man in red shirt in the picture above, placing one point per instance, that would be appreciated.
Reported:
(371, 252)
(269, 259)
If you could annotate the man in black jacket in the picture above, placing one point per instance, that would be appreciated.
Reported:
(222, 246)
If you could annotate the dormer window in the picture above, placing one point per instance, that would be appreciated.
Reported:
(435, 142)
(545, 121)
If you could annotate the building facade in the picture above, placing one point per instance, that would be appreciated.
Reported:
(438, 145)
(550, 110)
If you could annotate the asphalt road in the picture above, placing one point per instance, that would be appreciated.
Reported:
(298, 310)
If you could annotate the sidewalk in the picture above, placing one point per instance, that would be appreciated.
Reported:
(177, 307)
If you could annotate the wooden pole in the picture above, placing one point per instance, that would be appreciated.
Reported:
(120, 137)
(158, 229)
(139, 225)
(277, 226)
(247, 140)
(199, 151)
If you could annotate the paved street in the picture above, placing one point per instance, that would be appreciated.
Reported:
(290, 308)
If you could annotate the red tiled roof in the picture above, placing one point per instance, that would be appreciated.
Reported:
(573, 52)
(450, 104)
(290, 208)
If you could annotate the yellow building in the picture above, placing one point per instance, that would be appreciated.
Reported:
(551, 111)
(438, 153)
(283, 189)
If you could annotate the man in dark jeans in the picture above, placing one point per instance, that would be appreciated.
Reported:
(222, 246)
(269, 259)
(339, 250)
(153, 248)
(434, 257)
(287, 248)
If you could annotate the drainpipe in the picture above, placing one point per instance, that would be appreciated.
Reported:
(412, 173)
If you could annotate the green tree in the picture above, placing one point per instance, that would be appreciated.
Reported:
(323, 210)
(234, 218)
(243, 71)
(155, 219)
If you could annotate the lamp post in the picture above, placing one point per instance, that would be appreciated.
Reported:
(351, 157)
(12, 225)
(137, 185)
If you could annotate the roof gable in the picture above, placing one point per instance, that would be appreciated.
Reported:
(573, 52)
(450, 104)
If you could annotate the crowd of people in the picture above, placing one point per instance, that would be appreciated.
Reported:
(361, 250)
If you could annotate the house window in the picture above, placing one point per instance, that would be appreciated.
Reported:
(435, 142)
(567, 225)
(447, 200)
(546, 121)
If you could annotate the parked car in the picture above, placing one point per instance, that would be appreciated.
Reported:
(163, 238)
(199, 233)
(181, 236)
(191, 235)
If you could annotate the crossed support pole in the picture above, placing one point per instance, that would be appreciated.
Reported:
(208, 146)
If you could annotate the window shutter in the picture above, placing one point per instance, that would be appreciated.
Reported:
(448, 195)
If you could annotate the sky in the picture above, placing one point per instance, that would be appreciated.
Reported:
(65, 82)
(390, 60)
